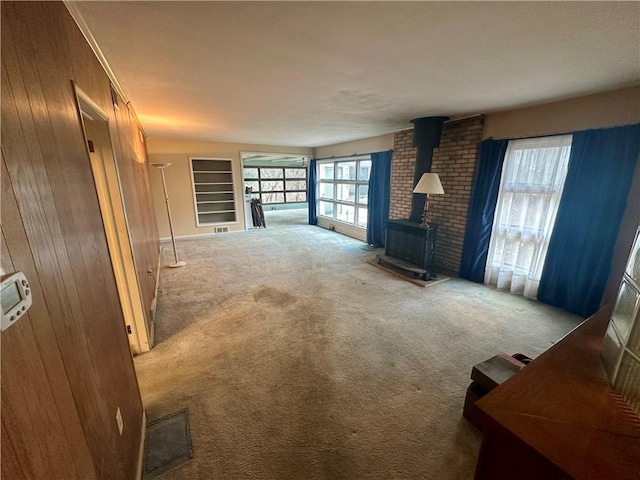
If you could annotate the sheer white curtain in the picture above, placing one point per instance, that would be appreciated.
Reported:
(530, 189)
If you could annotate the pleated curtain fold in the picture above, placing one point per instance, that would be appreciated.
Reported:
(378, 197)
(312, 193)
(578, 263)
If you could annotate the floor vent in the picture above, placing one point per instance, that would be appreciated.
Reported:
(222, 229)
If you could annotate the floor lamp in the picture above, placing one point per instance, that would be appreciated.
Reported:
(177, 263)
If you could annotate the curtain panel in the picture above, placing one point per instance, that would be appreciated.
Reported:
(312, 196)
(482, 206)
(378, 197)
(530, 188)
(601, 167)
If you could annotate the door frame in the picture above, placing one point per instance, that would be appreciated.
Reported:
(114, 219)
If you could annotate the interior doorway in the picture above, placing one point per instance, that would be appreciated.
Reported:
(95, 123)
(279, 182)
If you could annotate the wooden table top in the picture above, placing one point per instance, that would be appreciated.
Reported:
(563, 406)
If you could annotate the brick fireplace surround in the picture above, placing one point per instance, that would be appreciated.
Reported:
(455, 162)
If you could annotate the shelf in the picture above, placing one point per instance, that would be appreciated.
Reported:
(216, 207)
(213, 183)
(213, 188)
(214, 218)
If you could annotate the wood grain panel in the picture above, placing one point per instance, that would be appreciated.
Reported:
(5, 258)
(15, 238)
(560, 417)
(74, 342)
(10, 466)
(93, 81)
(84, 278)
(131, 157)
(22, 400)
(134, 177)
(40, 428)
(41, 222)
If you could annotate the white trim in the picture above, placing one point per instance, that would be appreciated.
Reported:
(154, 301)
(304, 156)
(344, 158)
(109, 192)
(73, 10)
(234, 191)
(84, 28)
(97, 111)
(347, 229)
(143, 436)
(198, 235)
(336, 182)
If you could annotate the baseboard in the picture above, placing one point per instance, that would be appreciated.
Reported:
(143, 436)
(199, 235)
(343, 228)
(154, 301)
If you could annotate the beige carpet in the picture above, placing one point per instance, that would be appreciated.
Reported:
(298, 360)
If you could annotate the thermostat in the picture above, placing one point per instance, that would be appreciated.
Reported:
(15, 297)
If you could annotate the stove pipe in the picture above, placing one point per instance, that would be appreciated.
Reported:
(426, 137)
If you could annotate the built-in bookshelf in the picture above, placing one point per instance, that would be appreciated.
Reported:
(213, 191)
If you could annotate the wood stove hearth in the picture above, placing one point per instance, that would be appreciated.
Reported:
(409, 243)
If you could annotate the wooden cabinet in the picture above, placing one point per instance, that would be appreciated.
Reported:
(560, 418)
(410, 246)
(213, 191)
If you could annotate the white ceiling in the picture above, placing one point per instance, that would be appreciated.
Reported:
(317, 73)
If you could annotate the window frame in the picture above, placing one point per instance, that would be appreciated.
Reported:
(284, 179)
(335, 182)
(518, 243)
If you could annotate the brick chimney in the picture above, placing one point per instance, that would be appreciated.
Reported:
(426, 137)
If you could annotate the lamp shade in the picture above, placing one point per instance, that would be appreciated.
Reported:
(429, 183)
(160, 165)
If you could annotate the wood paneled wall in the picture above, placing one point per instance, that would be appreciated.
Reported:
(66, 366)
(132, 163)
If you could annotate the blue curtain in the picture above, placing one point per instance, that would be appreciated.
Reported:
(312, 189)
(482, 207)
(379, 197)
(578, 262)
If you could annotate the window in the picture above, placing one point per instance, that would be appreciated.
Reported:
(277, 185)
(343, 187)
(531, 185)
(621, 346)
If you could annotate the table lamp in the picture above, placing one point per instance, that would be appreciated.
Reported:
(429, 184)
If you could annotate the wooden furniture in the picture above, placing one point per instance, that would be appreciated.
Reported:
(559, 418)
(410, 246)
(485, 377)
(213, 191)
